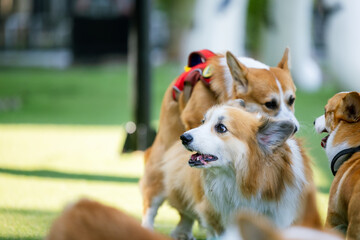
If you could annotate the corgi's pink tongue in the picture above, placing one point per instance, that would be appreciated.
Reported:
(198, 159)
(324, 141)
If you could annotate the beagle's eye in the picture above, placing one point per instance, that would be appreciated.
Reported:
(202, 121)
(291, 100)
(220, 128)
(271, 105)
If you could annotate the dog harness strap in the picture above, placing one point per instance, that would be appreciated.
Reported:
(343, 155)
(198, 57)
(197, 69)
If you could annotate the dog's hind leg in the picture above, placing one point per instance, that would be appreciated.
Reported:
(183, 230)
(152, 188)
(150, 211)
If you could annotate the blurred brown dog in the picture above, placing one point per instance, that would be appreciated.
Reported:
(90, 220)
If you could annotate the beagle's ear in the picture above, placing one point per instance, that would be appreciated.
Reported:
(272, 134)
(238, 72)
(349, 109)
(285, 61)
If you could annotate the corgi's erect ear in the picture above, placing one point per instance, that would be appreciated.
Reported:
(256, 227)
(349, 109)
(272, 134)
(238, 72)
(285, 61)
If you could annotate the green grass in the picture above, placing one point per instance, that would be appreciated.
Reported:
(78, 95)
(62, 143)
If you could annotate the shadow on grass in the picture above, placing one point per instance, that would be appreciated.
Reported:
(20, 238)
(64, 175)
(27, 212)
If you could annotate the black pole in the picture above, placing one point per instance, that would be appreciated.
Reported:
(139, 46)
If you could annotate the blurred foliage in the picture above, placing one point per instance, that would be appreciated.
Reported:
(180, 17)
(258, 17)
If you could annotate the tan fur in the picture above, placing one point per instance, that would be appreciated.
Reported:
(264, 174)
(200, 101)
(176, 117)
(342, 113)
(254, 227)
(90, 220)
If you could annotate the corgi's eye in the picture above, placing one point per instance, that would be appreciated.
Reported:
(202, 121)
(291, 100)
(271, 105)
(220, 128)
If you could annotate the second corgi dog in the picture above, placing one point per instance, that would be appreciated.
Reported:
(242, 161)
(342, 145)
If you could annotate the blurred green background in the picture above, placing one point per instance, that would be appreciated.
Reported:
(66, 93)
(61, 141)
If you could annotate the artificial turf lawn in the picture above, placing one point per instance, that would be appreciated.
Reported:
(61, 142)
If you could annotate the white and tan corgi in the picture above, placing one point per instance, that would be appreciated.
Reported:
(242, 162)
(267, 90)
(342, 122)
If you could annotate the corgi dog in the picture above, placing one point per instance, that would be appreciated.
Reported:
(242, 161)
(342, 145)
(91, 220)
(267, 90)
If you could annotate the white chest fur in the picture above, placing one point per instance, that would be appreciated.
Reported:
(225, 195)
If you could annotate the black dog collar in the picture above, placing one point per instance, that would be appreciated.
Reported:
(342, 157)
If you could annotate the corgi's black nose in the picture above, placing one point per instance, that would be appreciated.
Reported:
(295, 129)
(186, 138)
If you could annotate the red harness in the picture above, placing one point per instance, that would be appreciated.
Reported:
(194, 71)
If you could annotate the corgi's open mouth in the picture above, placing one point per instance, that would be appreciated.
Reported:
(199, 159)
(324, 140)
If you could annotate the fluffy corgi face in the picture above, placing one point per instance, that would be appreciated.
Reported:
(270, 91)
(228, 135)
(341, 112)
